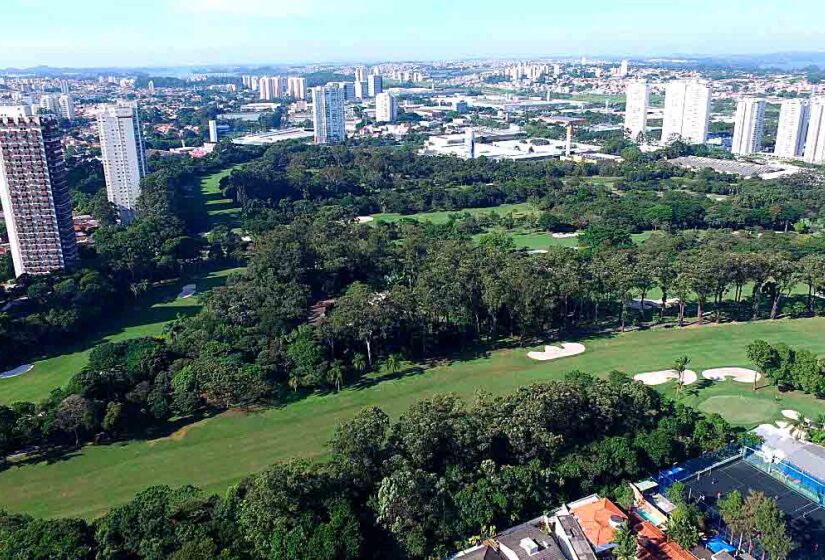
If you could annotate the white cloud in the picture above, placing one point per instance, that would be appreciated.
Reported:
(256, 8)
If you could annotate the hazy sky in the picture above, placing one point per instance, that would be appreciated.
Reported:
(85, 33)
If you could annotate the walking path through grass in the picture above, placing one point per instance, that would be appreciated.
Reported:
(217, 452)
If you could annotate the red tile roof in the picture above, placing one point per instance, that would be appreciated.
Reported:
(595, 520)
(653, 545)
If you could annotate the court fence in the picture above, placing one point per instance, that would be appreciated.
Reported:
(697, 466)
(789, 474)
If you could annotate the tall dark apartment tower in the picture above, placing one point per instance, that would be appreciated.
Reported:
(34, 192)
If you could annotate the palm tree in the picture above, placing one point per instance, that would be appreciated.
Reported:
(799, 427)
(680, 366)
(294, 383)
(335, 374)
(393, 363)
(359, 362)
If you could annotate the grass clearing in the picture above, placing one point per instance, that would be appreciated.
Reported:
(146, 318)
(216, 452)
(219, 210)
(442, 217)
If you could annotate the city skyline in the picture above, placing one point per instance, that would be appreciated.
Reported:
(183, 32)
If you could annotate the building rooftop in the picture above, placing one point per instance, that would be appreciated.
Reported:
(530, 540)
(653, 545)
(575, 535)
(599, 519)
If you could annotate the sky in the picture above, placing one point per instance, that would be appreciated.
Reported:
(95, 33)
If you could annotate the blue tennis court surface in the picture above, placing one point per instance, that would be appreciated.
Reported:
(806, 519)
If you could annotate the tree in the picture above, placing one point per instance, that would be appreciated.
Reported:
(393, 363)
(680, 366)
(732, 509)
(682, 527)
(626, 544)
(764, 356)
(335, 374)
(74, 414)
(360, 312)
(773, 532)
(811, 271)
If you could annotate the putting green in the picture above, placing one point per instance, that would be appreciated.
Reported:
(741, 410)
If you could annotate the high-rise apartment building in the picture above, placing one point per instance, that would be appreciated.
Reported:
(34, 193)
(124, 160)
(623, 68)
(470, 143)
(265, 89)
(815, 139)
(386, 107)
(687, 111)
(637, 98)
(361, 90)
(375, 85)
(793, 125)
(66, 105)
(347, 87)
(360, 74)
(50, 104)
(297, 87)
(748, 126)
(328, 114)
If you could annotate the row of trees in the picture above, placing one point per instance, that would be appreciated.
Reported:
(756, 517)
(414, 488)
(649, 195)
(789, 368)
(386, 291)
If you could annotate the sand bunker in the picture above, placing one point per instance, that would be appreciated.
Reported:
(564, 235)
(364, 219)
(537, 252)
(20, 370)
(187, 291)
(790, 413)
(652, 304)
(742, 375)
(661, 377)
(555, 352)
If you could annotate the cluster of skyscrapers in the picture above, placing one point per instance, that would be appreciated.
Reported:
(328, 102)
(800, 133)
(277, 87)
(34, 191)
(686, 115)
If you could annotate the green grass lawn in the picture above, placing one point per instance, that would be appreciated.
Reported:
(217, 452)
(219, 210)
(543, 240)
(444, 216)
(146, 318)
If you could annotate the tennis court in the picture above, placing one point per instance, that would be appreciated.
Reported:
(806, 519)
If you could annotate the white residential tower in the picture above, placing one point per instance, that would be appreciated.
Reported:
(124, 160)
